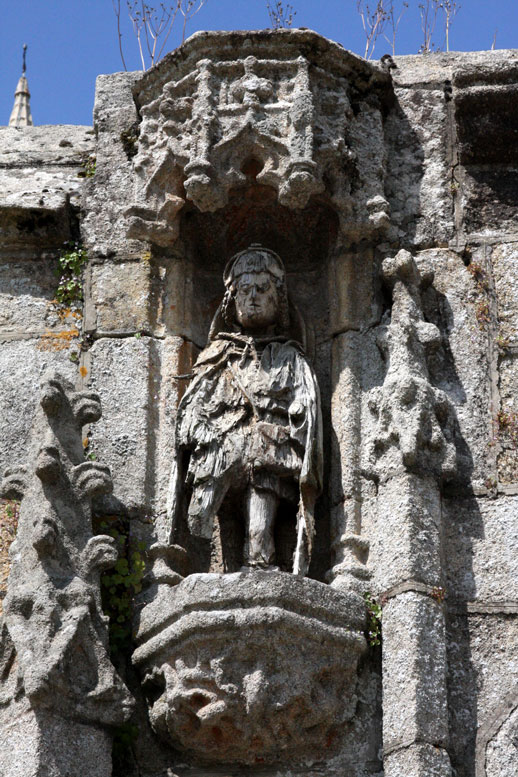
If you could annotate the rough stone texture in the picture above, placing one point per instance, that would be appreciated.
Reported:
(405, 544)
(32, 746)
(124, 371)
(53, 643)
(419, 164)
(122, 299)
(414, 672)
(419, 761)
(481, 562)
(506, 421)
(483, 686)
(40, 185)
(27, 291)
(252, 665)
(376, 158)
(104, 226)
(504, 261)
(23, 365)
(486, 131)
(502, 751)
(462, 367)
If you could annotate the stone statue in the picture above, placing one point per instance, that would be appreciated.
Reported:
(250, 420)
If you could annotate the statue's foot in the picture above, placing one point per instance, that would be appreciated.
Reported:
(251, 566)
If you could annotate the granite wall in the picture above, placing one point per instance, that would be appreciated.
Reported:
(448, 148)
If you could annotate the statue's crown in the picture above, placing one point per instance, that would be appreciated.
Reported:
(255, 258)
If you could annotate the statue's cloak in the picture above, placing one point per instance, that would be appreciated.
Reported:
(250, 416)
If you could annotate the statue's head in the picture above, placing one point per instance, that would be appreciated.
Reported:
(256, 297)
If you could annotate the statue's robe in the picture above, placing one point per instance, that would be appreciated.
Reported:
(251, 416)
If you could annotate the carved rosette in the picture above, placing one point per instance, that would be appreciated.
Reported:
(250, 667)
(285, 105)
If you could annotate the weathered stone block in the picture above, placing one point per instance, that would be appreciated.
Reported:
(23, 364)
(418, 164)
(61, 145)
(353, 303)
(123, 298)
(414, 672)
(486, 118)
(504, 262)
(39, 182)
(123, 372)
(138, 379)
(406, 542)
(481, 542)
(461, 367)
(177, 359)
(106, 198)
(506, 421)
(31, 744)
(26, 293)
(489, 201)
(501, 752)
(418, 760)
(483, 687)
(272, 680)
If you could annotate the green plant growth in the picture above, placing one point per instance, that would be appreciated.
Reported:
(120, 584)
(374, 615)
(438, 593)
(88, 167)
(71, 262)
(129, 140)
(123, 741)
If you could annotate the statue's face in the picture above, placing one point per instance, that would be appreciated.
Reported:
(256, 300)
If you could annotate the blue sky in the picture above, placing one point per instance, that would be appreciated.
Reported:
(72, 41)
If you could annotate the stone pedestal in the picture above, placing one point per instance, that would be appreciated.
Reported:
(252, 667)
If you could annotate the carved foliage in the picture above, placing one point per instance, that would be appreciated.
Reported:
(53, 621)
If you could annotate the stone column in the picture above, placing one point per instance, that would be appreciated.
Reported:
(411, 451)
(353, 307)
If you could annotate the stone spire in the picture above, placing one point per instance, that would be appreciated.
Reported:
(21, 113)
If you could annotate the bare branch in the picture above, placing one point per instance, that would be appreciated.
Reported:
(428, 11)
(393, 20)
(117, 10)
(280, 15)
(451, 10)
(374, 19)
(188, 9)
(153, 25)
(170, 24)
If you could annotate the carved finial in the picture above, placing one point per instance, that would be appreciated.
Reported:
(21, 113)
(412, 415)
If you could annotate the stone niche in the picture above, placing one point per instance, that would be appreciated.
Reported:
(240, 139)
(363, 407)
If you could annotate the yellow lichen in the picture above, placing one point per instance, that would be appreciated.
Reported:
(57, 341)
